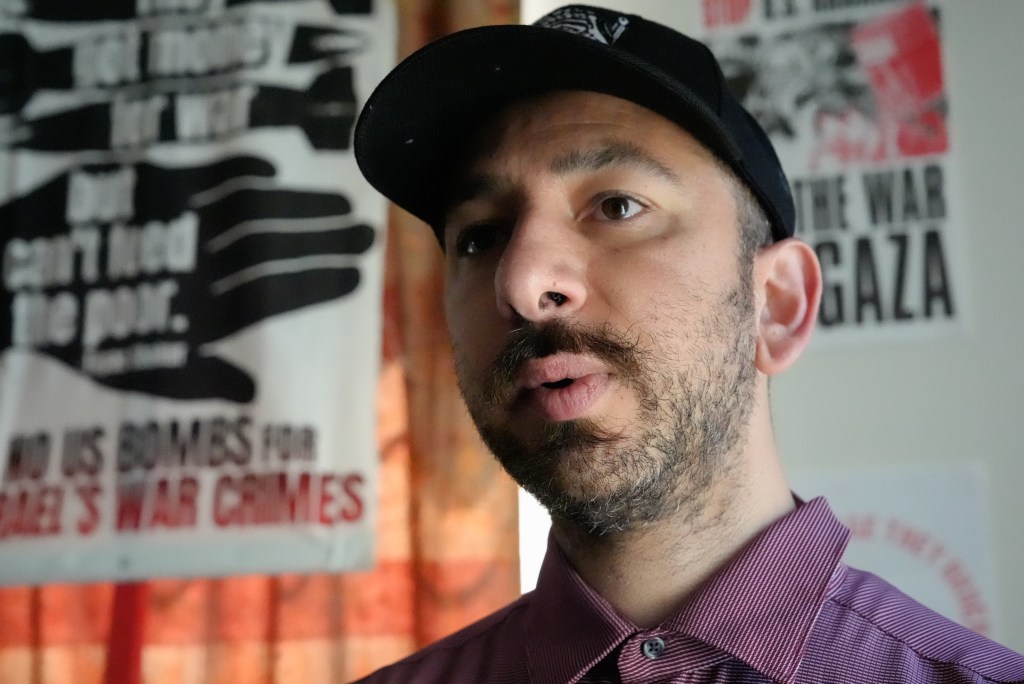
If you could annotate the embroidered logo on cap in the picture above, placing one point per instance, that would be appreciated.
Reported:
(606, 28)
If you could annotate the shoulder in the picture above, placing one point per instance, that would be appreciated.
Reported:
(868, 627)
(491, 649)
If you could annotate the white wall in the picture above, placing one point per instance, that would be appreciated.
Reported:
(930, 403)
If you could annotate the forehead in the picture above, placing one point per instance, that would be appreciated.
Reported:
(536, 127)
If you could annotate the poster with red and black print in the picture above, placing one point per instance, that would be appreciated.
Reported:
(853, 95)
(191, 287)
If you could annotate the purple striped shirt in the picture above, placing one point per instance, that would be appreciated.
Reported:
(785, 609)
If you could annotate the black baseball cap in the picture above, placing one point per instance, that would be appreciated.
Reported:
(414, 125)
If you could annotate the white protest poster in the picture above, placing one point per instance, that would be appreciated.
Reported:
(854, 98)
(190, 308)
(925, 530)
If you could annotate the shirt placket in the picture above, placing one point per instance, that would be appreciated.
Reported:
(658, 655)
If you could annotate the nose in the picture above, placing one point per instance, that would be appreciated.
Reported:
(541, 273)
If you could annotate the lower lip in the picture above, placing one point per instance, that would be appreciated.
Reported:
(568, 403)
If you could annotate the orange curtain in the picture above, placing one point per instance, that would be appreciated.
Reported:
(447, 551)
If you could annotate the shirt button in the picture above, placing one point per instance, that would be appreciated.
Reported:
(654, 647)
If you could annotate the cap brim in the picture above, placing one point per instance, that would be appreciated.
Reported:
(415, 123)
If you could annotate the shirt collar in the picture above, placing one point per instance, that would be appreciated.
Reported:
(760, 607)
(570, 628)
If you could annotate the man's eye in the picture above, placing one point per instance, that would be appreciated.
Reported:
(619, 207)
(477, 239)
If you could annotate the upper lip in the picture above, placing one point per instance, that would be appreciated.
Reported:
(557, 367)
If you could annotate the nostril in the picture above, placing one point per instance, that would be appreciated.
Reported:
(557, 297)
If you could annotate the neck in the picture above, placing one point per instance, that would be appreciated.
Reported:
(648, 573)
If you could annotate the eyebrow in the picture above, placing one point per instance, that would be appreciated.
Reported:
(612, 153)
(471, 187)
(615, 153)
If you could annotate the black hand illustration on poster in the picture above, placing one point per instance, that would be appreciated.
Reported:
(190, 281)
(132, 303)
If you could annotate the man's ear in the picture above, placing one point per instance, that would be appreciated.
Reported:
(787, 279)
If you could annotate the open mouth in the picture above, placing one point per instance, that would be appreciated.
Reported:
(560, 387)
(569, 398)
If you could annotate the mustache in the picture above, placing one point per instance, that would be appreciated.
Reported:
(534, 342)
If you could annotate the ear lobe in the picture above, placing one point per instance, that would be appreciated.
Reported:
(788, 277)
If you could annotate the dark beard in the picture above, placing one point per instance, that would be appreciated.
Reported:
(687, 422)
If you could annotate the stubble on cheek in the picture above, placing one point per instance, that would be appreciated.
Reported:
(686, 417)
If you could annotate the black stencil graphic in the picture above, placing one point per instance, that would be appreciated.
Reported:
(314, 43)
(325, 112)
(125, 272)
(25, 70)
(107, 10)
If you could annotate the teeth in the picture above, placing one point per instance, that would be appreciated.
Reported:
(564, 382)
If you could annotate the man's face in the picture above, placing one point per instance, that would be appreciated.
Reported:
(601, 318)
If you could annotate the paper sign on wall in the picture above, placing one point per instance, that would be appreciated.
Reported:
(927, 531)
(854, 98)
(190, 304)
